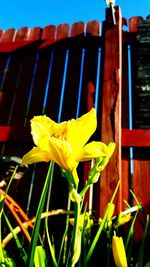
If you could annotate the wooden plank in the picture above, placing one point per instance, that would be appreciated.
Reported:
(133, 23)
(40, 84)
(111, 107)
(15, 134)
(22, 34)
(34, 34)
(136, 137)
(93, 28)
(126, 176)
(13, 46)
(14, 39)
(62, 31)
(130, 138)
(55, 84)
(141, 177)
(1, 32)
(72, 82)
(4, 66)
(125, 156)
(16, 90)
(28, 63)
(9, 90)
(23, 87)
(48, 32)
(8, 35)
(77, 28)
(125, 87)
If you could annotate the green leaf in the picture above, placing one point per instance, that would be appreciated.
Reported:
(36, 229)
(9, 262)
(101, 227)
(141, 254)
(40, 257)
(16, 239)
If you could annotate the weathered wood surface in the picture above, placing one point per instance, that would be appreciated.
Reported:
(13, 39)
(111, 107)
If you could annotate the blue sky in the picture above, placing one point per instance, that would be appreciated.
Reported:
(32, 13)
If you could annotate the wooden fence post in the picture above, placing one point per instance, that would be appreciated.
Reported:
(111, 106)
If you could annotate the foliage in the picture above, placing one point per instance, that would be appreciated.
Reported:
(65, 144)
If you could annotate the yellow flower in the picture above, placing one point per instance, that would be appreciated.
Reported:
(119, 251)
(110, 214)
(84, 220)
(65, 143)
(123, 218)
(111, 211)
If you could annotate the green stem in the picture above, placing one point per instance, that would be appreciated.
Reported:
(50, 244)
(2, 201)
(84, 190)
(96, 238)
(75, 230)
(141, 254)
(1, 249)
(23, 254)
(64, 242)
(109, 248)
(35, 233)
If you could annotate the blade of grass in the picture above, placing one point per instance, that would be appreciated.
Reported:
(2, 201)
(35, 233)
(23, 254)
(1, 249)
(96, 238)
(52, 250)
(141, 254)
(40, 257)
(129, 240)
(64, 242)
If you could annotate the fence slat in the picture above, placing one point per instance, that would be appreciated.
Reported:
(8, 35)
(111, 107)
(40, 81)
(22, 34)
(141, 176)
(62, 31)
(133, 23)
(77, 28)
(48, 32)
(93, 27)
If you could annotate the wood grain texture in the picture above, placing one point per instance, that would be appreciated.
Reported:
(111, 108)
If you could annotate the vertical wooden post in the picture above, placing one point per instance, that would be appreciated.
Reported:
(111, 106)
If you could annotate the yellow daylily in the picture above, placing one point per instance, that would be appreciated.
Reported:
(119, 251)
(84, 220)
(64, 143)
(123, 218)
(110, 214)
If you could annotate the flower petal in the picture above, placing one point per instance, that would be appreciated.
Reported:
(80, 130)
(35, 155)
(42, 127)
(61, 152)
(93, 150)
(119, 251)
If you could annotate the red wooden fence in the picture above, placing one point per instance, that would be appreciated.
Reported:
(63, 71)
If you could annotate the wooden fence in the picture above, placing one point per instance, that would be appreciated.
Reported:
(62, 72)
